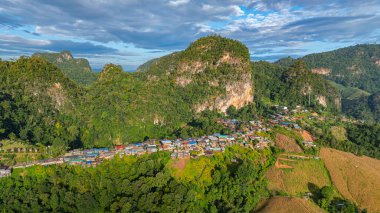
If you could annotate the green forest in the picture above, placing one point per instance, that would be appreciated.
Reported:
(228, 182)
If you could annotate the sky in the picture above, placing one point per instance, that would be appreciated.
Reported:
(131, 32)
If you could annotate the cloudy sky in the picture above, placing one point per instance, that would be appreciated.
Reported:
(130, 32)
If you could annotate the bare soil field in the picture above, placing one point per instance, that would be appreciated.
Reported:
(180, 164)
(287, 143)
(356, 178)
(306, 136)
(288, 205)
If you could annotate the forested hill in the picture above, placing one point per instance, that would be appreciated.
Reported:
(355, 66)
(355, 72)
(78, 70)
(214, 73)
(293, 85)
(38, 103)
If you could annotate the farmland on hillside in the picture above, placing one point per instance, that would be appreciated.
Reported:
(289, 205)
(356, 178)
(304, 176)
(287, 143)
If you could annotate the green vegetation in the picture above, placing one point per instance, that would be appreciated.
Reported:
(296, 181)
(145, 184)
(349, 93)
(38, 104)
(354, 71)
(354, 66)
(360, 139)
(78, 70)
(326, 198)
(292, 86)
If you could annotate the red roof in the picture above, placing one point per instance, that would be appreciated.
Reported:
(120, 147)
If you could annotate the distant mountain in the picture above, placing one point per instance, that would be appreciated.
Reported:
(354, 71)
(78, 70)
(293, 85)
(356, 66)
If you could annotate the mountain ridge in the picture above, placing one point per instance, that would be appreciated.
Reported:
(77, 69)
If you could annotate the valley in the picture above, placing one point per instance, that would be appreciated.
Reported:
(205, 123)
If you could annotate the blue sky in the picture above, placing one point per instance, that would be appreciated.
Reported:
(131, 32)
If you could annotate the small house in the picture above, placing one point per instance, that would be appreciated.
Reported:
(5, 171)
(119, 147)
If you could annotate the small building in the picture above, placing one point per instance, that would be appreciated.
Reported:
(173, 155)
(119, 147)
(5, 171)
(212, 138)
(76, 161)
(101, 149)
(151, 148)
(166, 142)
(107, 155)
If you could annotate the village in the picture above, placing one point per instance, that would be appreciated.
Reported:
(251, 135)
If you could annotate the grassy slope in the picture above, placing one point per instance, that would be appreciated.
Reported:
(339, 133)
(350, 93)
(356, 178)
(288, 205)
(298, 180)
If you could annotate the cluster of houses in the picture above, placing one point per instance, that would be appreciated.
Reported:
(285, 118)
(89, 157)
(191, 147)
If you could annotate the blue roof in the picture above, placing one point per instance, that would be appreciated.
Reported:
(101, 149)
(92, 155)
(192, 143)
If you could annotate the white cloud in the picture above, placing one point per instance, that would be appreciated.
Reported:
(172, 24)
(203, 28)
(12, 39)
(176, 3)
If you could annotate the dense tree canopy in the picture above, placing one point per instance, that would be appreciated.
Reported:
(229, 182)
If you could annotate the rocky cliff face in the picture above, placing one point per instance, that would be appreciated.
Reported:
(214, 66)
(321, 71)
(238, 94)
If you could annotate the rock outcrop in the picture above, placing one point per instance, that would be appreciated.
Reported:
(217, 67)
